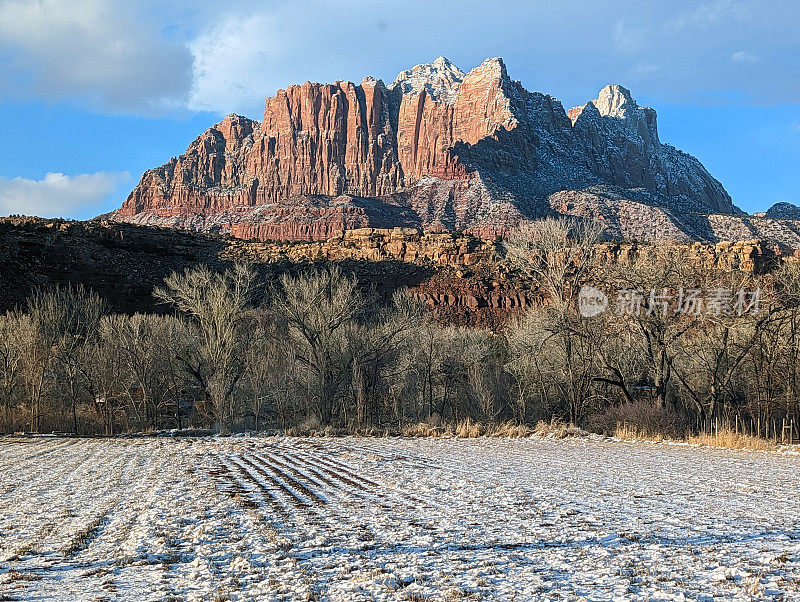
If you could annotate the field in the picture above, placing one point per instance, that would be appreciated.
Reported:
(250, 518)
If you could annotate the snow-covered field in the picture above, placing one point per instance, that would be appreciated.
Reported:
(395, 519)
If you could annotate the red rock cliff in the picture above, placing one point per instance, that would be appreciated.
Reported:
(437, 149)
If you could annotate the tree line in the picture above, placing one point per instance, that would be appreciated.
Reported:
(314, 351)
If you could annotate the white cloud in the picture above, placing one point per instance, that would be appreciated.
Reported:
(232, 64)
(141, 56)
(95, 50)
(643, 70)
(628, 37)
(743, 57)
(244, 56)
(710, 14)
(57, 195)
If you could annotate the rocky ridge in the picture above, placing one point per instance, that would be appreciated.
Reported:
(440, 150)
(464, 279)
(783, 211)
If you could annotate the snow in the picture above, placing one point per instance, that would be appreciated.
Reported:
(251, 518)
(440, 79)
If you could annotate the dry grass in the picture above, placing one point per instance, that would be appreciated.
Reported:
(470, 428)
(732, 440)
(423, 429)
(511, 429)
(467, 429)
(637, 433)
(557, 429)
(723, 438)
(642, 424)
(642, 421)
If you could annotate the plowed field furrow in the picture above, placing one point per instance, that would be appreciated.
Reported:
(342, 469)
(291, 476)
(229, 484)
(245, 518)
(292, 497)
(339, 468)
(319, 467)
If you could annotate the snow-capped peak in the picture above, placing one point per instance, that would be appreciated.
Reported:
(440, 79)
(615, 101)
(494, 65)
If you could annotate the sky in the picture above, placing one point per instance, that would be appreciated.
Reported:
(94, 92)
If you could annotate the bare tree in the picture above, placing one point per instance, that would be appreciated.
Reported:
(149, 347)
(317, 306)
(527, 339)
(324, 352)
(376, 345)
(108, 378)
(481, 352)
(554, 360)
(269, 377)
(560, 256)
(643, 303)
(787, 282)
(65, 321)
(712, 353)
(217, 306)
(12, 325)
(36, 351)
(620, 366)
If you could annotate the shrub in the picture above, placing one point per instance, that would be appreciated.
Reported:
(639, 420)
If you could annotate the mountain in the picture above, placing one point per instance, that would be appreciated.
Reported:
(438, 150)
(784, 211)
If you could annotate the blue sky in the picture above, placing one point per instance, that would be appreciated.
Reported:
(93, 92)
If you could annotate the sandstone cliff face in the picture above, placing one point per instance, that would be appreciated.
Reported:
(437, 149)
(464, 279)
(210, 176)
(458, 276)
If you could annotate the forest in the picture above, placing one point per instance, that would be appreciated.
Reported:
(658, 346)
